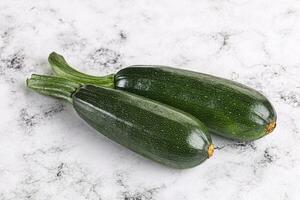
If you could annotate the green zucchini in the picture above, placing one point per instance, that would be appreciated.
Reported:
(149, 128)
(227, 108)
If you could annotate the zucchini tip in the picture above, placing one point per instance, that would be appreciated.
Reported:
(270, 127)
(210, 150)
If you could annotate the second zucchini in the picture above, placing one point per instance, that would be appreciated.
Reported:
(227, 108)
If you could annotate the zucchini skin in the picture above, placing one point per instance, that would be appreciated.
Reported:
(227, 108)
(152, 129)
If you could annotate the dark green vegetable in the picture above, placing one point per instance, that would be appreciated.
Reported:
(226, 107)
(152, 129)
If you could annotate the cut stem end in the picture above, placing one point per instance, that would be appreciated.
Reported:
(52, 86)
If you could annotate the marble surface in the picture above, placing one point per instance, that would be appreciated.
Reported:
(48, 152)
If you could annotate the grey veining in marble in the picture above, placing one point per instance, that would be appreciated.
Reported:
(47, 152)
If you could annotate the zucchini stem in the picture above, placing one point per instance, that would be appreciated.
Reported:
(53, 86)
(61, 68)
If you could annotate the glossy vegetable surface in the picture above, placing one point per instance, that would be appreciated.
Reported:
(226, 107)
(152, 129)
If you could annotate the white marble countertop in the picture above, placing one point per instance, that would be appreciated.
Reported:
(48, 152)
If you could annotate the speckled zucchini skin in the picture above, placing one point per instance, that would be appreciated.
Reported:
(154, 130)
(227, 108)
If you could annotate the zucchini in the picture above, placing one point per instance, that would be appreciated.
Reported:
(149, 128)
(227, 108)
